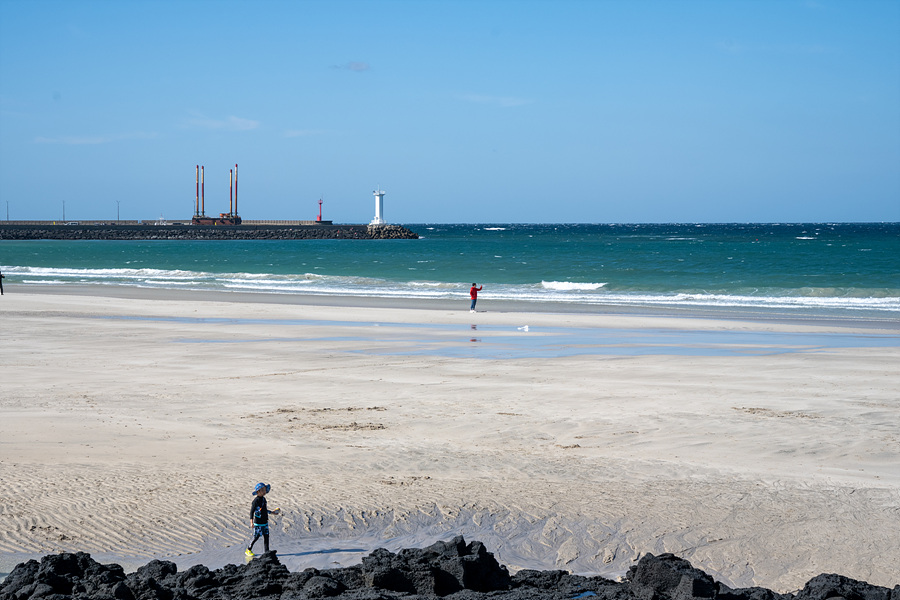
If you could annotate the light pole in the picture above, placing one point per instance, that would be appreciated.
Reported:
(117, 211)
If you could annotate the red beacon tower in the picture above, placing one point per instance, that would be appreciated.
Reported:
(319, 219)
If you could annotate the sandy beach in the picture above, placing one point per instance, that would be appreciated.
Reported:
(135, 425)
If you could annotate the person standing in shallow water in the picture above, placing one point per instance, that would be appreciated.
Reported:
(473, 294)
(1, 282)
(259, 517)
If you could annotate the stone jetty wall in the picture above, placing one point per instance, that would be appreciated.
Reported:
(204, 232)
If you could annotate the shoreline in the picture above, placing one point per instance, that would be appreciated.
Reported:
(823, 317)
(746, 445)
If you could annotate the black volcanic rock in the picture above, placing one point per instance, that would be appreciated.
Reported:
(453, 570)
(562, 584)
(66, 576)
(667, 577)
(441, 569)
(751, 593)
(826, 586)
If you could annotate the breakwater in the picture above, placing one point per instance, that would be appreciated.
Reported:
(204, 232)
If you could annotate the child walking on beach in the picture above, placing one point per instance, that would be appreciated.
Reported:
(259, 517)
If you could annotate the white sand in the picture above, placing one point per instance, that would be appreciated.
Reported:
(139, 438)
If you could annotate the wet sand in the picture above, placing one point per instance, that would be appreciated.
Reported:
(765, 449)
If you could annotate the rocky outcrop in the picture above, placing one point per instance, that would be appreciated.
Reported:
(205, 232)
(453, 570)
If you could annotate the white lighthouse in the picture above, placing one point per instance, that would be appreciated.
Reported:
(379, 208)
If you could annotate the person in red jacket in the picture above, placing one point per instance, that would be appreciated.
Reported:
(473, 293)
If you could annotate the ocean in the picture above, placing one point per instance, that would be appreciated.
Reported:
(833, 268)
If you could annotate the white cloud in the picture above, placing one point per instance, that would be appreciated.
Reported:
(292, 133)
(88, 140)
(353, 65)
(502, 101)
(74, 140)
(230, 123)
(734, 47)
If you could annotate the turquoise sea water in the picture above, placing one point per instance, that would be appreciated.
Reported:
(808, 267)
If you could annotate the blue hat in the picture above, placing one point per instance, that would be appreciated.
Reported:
(261, 486)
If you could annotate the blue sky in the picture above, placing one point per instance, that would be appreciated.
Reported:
(464, 111)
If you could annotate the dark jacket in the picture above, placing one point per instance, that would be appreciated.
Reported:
(259, 512)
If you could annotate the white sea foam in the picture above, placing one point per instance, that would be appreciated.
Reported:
(433, 284)
(570, 285)
(100, 273)
(168, 282)
(546, 291)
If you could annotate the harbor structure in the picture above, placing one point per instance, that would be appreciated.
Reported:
(232, 218)
(170, 230)
(229, 218)
(379, 207)
(200, 201)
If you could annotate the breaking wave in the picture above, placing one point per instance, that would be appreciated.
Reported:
(545, 291)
